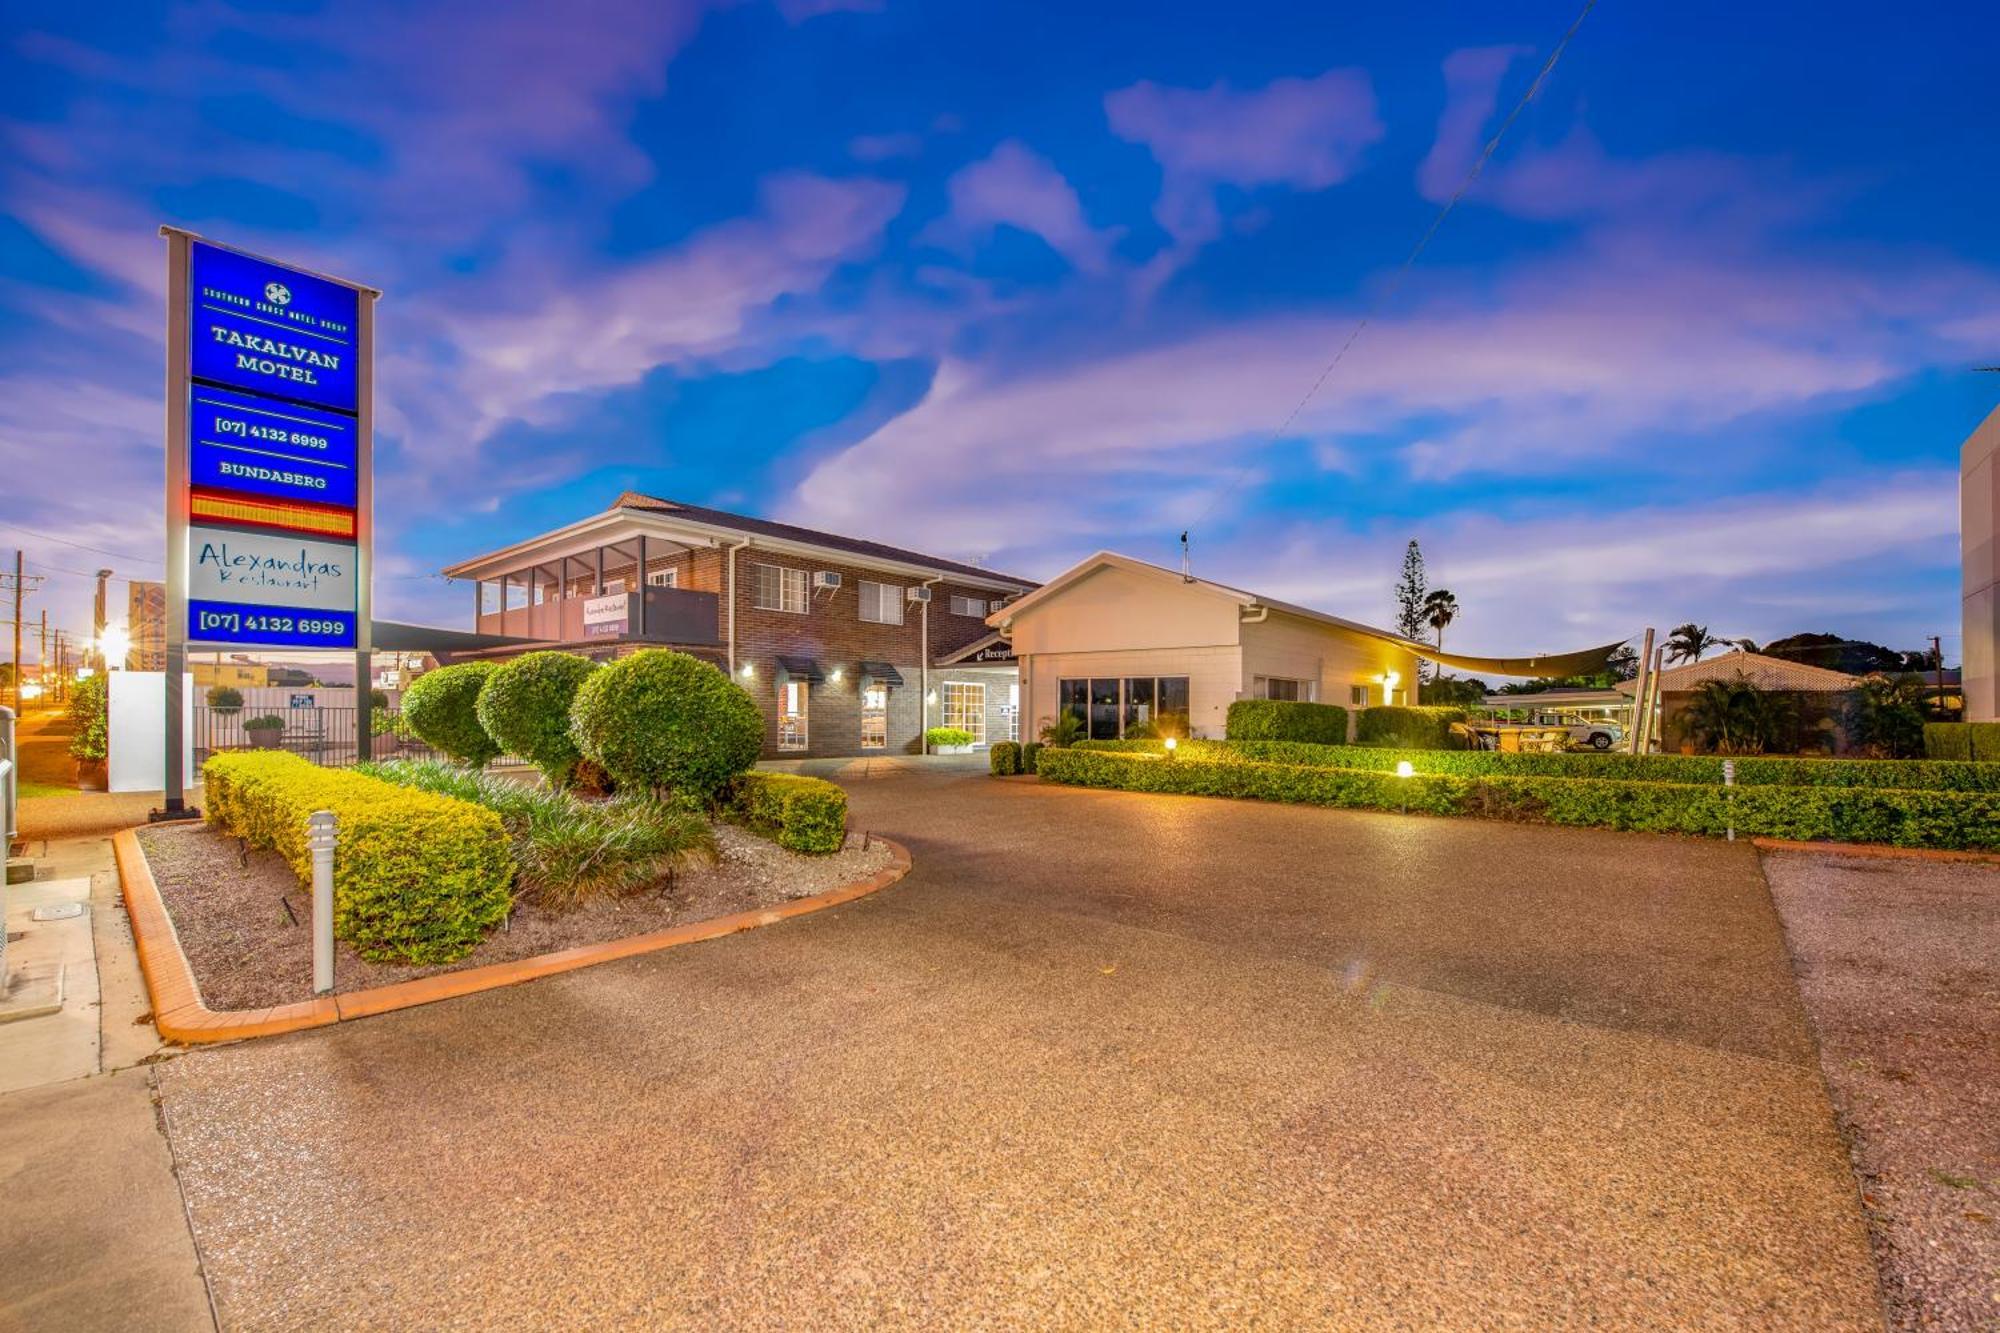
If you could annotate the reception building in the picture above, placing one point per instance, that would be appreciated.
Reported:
(850, 646)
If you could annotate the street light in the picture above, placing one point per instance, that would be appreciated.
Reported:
(112, 645)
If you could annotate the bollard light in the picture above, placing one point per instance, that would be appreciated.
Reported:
(1172, 745)
(1405, 769)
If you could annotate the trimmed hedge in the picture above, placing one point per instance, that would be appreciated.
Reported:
(1004, 758)
(1030, 752)
(417, 877)
(1978, 742)
(1408, 728)
(947, 736)
(797, 812)
(524, 707)
(1751, 770)
(1285, 720)
(442, 707)
(1946, 819)
(668, 723)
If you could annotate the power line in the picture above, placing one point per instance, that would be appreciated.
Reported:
(1396, 279)
(81, 546)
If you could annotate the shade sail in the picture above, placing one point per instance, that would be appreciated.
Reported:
(1585, 662)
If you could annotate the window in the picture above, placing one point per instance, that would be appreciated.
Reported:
(1357, 695)
(614, 585)
(1108, 708)
(1010, 715)
(792, 714)
(968, 606)
(875, 717)
(965, 708)
(881, 603)
(664, 578)
(776, 588)
(1278, 687)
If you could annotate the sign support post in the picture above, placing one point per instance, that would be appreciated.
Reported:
(179, 325)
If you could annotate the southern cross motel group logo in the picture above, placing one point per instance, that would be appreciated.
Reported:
(277, 293)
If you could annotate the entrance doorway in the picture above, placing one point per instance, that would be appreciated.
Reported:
(875, 717)
(965, 708)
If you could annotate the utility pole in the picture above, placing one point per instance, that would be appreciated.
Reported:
(17, 632)
(42, 656)
(97, 623)
(1937, 660)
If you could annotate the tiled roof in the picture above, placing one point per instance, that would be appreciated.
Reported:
(765, 527)
(1766, 673)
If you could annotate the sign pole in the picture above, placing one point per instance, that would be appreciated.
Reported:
(364, 528)
(178, 325)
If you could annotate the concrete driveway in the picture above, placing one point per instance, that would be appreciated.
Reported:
(1101, 1059)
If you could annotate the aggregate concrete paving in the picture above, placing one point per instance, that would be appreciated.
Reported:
(1101, 1059)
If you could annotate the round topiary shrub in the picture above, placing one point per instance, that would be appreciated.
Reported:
(225, 699)
(525, 709)
(668, 723)
(442, 707)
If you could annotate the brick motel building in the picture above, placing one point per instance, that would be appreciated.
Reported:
(849, 646)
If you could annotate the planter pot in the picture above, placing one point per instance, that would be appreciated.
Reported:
(264, 738)
(93, 775)
(951, 749)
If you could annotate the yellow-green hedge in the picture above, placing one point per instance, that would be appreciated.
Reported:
(801, 813)
(417, 877)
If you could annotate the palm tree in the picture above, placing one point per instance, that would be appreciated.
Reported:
(1688, 642)
(1440, 609)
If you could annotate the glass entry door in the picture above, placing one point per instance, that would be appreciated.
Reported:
(1104, 709)
(875, 717)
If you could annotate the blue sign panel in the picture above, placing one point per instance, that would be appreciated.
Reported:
(272, 626)
(255, 445)
(273, 330)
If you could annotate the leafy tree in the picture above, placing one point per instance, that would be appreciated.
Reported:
(1688, 642)
(667, 723)
(1456, 692)
(1885, 715)
(1854, 656)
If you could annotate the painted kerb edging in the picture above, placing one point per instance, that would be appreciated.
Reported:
(180, 1015)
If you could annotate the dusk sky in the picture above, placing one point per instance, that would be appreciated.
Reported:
(1014, 284)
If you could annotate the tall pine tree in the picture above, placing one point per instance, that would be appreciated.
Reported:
(1411, 620)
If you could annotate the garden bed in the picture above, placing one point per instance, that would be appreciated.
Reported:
(248, 952)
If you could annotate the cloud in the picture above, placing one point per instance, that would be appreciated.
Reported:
(1305, 133)
(1472, 88)
(1015, 186)
(799, 11)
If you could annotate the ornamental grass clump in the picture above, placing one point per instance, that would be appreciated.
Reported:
(568, 851)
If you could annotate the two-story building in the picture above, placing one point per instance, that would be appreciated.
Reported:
(851, 647)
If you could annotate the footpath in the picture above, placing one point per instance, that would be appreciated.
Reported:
(95, 1230)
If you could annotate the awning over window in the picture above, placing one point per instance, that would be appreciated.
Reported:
(801, 668)
(881, 673)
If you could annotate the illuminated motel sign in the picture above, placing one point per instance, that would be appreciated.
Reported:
(270, 392)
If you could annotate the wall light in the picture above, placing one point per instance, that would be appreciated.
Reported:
(834, 674)
(746, 671)
(1390, 680)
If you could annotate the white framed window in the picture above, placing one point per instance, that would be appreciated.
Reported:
(965, 708)
(881, 603)
(1280, 687)
(792, 715)
(875, 717)
(968, 606)
(776, 588)
(664, 578)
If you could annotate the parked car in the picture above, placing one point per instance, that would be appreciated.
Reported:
(1593, 735)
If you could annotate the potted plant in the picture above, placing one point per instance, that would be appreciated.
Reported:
(225, 699)
(949, 740)
(90, 732)
(265, 732)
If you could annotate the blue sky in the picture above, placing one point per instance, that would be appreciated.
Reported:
(1016, 283)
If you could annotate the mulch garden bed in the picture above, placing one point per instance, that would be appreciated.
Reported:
(245, 924)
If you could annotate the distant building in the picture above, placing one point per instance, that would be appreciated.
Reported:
(1820, 697)
(235, 675)
(146, 623)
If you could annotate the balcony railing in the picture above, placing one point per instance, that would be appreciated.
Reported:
(672, 615)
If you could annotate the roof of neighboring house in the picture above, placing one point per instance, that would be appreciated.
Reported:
(765, 527)
(1567, 664)
(1766, 673)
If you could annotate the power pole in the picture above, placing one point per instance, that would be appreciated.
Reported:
(1937, 660)
(17, 631)
(97, 624)
(42, 656)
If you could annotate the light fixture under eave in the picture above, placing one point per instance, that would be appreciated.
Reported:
(746, 671)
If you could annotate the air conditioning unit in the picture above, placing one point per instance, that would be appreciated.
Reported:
(917, 594)
(826, 580)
